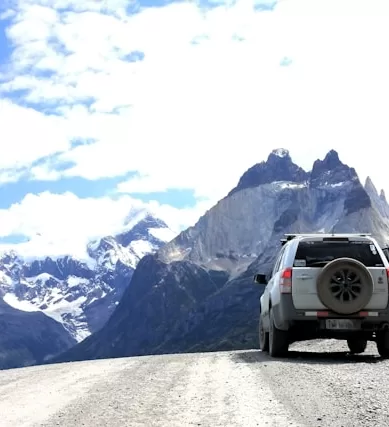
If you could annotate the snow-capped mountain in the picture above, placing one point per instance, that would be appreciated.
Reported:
(196, 292)
(82, 295)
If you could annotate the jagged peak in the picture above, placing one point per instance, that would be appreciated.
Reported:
(370, 187)
(382, 195)
(280, 152)
(278, 167)
(153, 221)
(331, 170)
(143, 216)
(331, 161)
(332, 157)
(134, 216)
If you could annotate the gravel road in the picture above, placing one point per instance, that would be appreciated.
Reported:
(318, 385)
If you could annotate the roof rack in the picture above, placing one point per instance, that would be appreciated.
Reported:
(289, 237)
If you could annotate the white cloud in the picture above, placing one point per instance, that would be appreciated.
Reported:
(58, 225)
(27, 135)
(343, 8)
(219, 105)
(195, 115)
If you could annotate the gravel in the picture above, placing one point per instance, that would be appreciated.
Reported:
(319, 384)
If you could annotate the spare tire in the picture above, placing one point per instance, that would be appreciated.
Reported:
(345, 286)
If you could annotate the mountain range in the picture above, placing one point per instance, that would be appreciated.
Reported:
(196, 293)
(48, 305)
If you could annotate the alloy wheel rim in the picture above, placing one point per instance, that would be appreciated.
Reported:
(345, 285)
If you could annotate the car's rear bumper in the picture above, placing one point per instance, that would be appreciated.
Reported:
(287, 317)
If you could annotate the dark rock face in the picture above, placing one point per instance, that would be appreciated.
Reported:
(331, 171)
(29, 338)
(60, 268)
(378, 200)
(278, 167)
(356, 200)
(178, 301)
(159, 297)
(286, 219)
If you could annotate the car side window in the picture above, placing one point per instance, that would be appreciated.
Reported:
(278, 262)
(281, 264)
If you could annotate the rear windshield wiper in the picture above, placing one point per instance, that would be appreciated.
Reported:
(319, 261)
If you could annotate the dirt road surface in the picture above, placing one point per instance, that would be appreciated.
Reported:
(318, 385)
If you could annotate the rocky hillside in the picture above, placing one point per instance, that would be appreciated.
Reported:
(82, 295)
(196, 292)
(29, 338)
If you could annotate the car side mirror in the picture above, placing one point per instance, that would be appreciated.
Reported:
(261, 279)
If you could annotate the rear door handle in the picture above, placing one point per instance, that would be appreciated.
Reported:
(304, 277)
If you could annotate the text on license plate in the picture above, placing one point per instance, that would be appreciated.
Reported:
(342, 324)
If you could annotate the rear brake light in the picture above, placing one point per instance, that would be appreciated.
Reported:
(286, 281)
(322, 314)
(387, 274)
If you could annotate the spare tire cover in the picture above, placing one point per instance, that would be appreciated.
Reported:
(345, 286)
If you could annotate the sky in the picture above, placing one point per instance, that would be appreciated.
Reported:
(112, 107)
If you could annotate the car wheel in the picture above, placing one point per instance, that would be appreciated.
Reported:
(357, 346)
(263, 336)
(383, 344)
(278, 339)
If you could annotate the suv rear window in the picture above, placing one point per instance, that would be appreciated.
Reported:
(317, 254)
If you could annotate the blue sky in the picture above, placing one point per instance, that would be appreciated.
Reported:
(164, 105)
(83, 188)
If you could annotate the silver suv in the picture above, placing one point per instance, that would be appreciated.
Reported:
(326, 286)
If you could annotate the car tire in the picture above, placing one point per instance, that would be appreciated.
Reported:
(345, 286)
(357, 346)
(263, 336)
(383, 344)
(278, 339)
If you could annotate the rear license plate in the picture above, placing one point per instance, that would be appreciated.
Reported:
(342, 324)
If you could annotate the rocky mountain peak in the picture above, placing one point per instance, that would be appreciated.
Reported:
(378, 199)
(280, 152)
(370, 187)
(278, 167)
(148, 228)
(332, 159)
(331, 171)
(59, 268)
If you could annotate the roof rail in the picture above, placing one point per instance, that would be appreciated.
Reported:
(327, 234)
(289, 237)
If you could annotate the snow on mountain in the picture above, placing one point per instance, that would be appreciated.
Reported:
(281, 152)
(82, 295)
